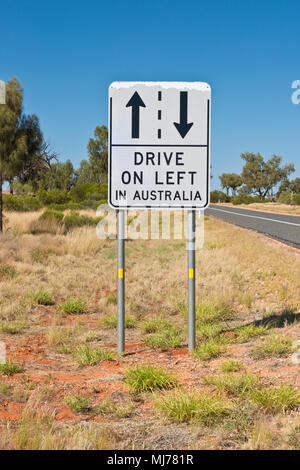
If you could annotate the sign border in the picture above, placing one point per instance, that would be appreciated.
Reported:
(145, 207)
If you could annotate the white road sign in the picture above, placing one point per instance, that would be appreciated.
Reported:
(159, 144)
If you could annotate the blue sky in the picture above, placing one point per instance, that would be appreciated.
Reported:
(66, 53)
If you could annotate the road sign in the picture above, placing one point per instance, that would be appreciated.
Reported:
(159, 145)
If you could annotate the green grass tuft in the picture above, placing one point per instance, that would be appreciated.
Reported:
(87, 355)
(79, 404)
(42, 297)
(273, 346)
(236, 385)
(147, 378)
(12, 328)
(73, 307)
(244, 333)
(154, 325)
(164, 339)
(183, 407)
(210, 349)
(231, 366)
(112, 322)
(213, 312)
(276, 399)
(9, 368)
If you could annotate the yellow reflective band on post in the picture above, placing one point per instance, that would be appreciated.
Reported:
(120, 273)
(191, 273)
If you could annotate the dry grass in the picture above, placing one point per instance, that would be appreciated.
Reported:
(242, 277)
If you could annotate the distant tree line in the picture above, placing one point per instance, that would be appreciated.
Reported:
(262, 180)
(28, 163)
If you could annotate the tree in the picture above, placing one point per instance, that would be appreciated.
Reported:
(230, 180)
(260, 177)
(12, 140)
(98, 154)
(85, 173)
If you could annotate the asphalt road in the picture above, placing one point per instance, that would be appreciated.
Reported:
(285, 228)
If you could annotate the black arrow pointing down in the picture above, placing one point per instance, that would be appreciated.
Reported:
(183, 126)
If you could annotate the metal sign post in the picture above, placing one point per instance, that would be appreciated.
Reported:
(121, 281)
(191, 280)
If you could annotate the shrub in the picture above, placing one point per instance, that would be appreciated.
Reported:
(74, 220)
(219, 196)
(246, 199)
(48, 222)
(20, 203)
(52, 215)
(147, 378)
(53, 196)
(285, 197)
(184, 407)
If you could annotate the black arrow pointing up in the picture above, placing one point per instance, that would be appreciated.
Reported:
(135, 102)
(183, 126)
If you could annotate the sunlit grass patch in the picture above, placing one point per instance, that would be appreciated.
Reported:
(13, 327)
(7, 271)
(236, 385)
(208, 331)
(164, 339)
(79, 404)
(213, 312)
(40, 432)
(148, 378)
(273, 346)
(42, 297)
(155, 324)
(119, 411)
(244, 333)
(73, 307)
(5, 389)
(112, 322)
(213, 245)
(276, 399)
(231, 366)
(183, 407)
(10, 368)
(210, 349)
(86, 355)
(112, 299)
